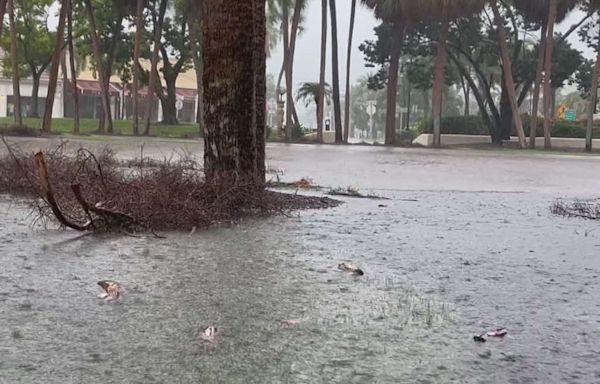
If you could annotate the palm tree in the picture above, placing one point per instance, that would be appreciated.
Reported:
(337, 110)
(393, 12)
(594, 5)
(299, 6)
(194, 20)
(158, 25)
(139, 30)
(507, 71)
(311, 92)
(322, 84)
(546, 13)
(105, 96)
(73, 68)
(56, 55)
(14, 64)
(348, 62)
(234, 34)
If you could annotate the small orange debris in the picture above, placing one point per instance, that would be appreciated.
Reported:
(303, 183)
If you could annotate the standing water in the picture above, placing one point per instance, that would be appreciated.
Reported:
(478, 252)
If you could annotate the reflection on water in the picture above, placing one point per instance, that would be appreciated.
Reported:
(429, 285)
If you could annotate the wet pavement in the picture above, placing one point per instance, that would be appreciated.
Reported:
(465, 245)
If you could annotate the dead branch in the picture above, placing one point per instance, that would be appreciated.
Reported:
(46, 188)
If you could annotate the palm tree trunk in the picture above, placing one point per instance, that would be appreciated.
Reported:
(593, 102)
(440, 80)
(290, 65)
(348, 64)
(137, 48)
(508, 78)
(260, 92)
(336, 74)
(392, 90)
(73, 69)
(197, 59)
(2, 13)
(153, 66)
(58, 49)
(321, 96)
(105, 97)
(286, 58)
(233, 32)
(537, 85)
(15, 64)
(548, 75)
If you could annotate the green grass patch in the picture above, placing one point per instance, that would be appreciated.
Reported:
(120, 127)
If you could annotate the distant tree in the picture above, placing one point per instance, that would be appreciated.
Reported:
(15, 63)
(310, 93)
(35, 44)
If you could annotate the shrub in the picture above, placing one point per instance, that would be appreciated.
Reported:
(456, 125)
(19, 130)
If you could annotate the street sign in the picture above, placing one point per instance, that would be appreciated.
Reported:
(571, 115)
(371, 108)
(560, 112)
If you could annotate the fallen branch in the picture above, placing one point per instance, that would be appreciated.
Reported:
(352, 192)
(578, 209)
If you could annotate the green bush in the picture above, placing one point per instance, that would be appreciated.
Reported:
(562, 128)
(456, 125)
(19, 130)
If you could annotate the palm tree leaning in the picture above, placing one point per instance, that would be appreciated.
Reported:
(73, 68)
(337, 110)
(594, 5)
(322, 84)
(105, 96)
(348, 63)
(311, 92)
(14, 64)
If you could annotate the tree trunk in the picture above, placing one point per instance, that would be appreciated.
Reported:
(348, 64)
(35, 97)
(536, 87)
(440, 79)
(73, 69)
(105, 97)
(153, 66)
(58, 48)
(15, 64)
(392, 90)
(198, 64)
(548, 75)
(290, 63)
(286, 58)
(233, 83)
(169, 102)
(137, 48)
(336, 74)
(323, 68)
(260, 89)
(2, 13)
(593, 102)
(507, 70)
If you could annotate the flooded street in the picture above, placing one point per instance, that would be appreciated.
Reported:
(466, 244)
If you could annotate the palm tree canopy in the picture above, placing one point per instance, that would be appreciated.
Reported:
(537, 10)
(309, 92)
(423, 10)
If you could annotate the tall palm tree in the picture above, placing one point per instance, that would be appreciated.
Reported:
(137, 48)
(2, 13)
(56, 55)
(507, 71)
(348, 63)
(395, 13)
(153, 79)
(104, 89)
(73, 68)
(337, 110)
(546, 13)
(322, 84)
(299, 6)
(595, 6)
(311, 92)
(14, 64)
(234, 40)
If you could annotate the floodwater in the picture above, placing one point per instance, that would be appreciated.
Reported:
(465, 244)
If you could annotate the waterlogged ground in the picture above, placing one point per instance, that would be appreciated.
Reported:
(466, 244)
